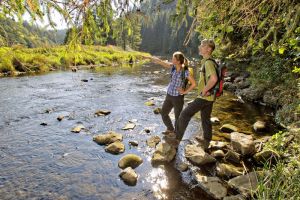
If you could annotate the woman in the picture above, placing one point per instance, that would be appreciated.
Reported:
(180, 75)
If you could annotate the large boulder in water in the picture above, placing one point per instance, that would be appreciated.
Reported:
(108, 138)
(153, 141)
(228, 171)
(245, 184)
(129, 176)
(243, 143)
(115, 148)
(164, 153)
(212, 185)
(197, 155)
(266, 156)
(130, 160)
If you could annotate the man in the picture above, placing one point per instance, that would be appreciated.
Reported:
(205, 99)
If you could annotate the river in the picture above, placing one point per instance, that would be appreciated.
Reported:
(51, 162)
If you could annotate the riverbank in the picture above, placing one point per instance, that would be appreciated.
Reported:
(19, 60)
(270, 84)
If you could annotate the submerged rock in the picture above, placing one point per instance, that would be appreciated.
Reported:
(130, 160)
(153, 141)
(49, 110)
(164, 152)
(228, 171)
(245, 184)
(183, 167)
(78, 128)
(228, 128)
(108, 138)
(242, 143)
(197, 155)
(260, 126)
(129, 126)
(214, 120)
(234, 197)
(212, 185)
(115, 148)
(218, 145)
(102, 112)
(157, 111)
(233, 156)
(266, 155)
(218, 154)
(149, 103)
(60, 117)
(147, 130)
(133, 143)
(129, 176)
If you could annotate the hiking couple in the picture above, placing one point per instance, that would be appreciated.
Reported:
(176, 91)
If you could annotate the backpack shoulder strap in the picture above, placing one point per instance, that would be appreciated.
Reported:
(183, 72)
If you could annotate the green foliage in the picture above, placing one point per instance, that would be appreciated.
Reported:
(127, 32)
(14, 33)
(289, 113)
(44, 59)
(270, 72)
(282, 180)
(6, 65)
(242, 27)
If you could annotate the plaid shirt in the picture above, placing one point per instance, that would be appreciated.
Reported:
(176, 81)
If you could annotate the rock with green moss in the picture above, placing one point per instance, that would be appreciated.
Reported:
(164, 152)
(228, 171)
(108, 138)
(153, 141)
(212, 186)
(197, 155)
(129, 176)
(115, 147)
(266, 156)
(130, 160)
(245, 184)
(228, 128)
(242, 143)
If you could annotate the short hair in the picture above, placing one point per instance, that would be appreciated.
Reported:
(210, 43)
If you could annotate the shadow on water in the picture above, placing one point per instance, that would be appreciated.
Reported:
(50, 162)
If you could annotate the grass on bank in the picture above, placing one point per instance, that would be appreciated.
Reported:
(282, 180)
(21, 59)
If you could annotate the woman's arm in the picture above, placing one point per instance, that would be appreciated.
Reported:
(159, 61)
(192, 86)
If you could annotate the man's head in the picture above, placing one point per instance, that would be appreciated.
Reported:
(206, 47)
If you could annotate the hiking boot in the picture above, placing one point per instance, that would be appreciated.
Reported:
(172, 141)
(204, 144)
(169, 133)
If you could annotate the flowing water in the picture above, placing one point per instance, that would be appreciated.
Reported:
(51, 162)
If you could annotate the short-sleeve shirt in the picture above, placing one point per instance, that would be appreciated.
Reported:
(176, 81)
(210, 69)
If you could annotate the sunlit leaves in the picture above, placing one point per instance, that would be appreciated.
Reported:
(281, 50)
(229, 29)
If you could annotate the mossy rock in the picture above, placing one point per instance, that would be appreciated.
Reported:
(228, 128)
(108, 138)
(130, 160)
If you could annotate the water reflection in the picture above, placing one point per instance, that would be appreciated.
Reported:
(158, 178)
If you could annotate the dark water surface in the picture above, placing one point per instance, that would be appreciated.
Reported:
(51, 162)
